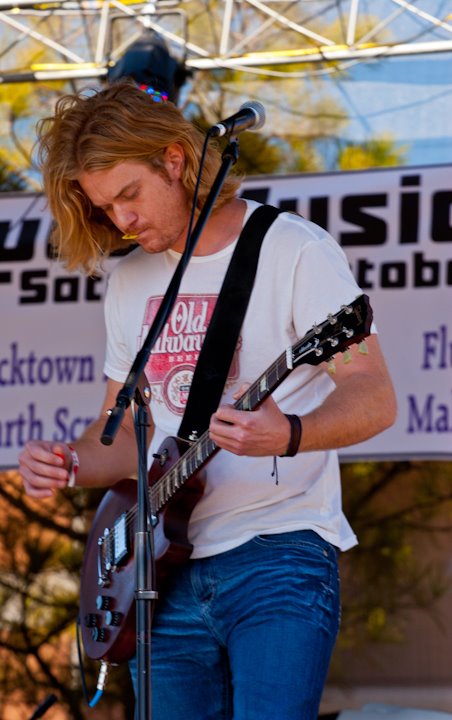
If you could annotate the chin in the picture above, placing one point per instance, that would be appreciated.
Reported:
(154, 245)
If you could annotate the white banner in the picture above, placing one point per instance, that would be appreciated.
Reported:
(395, 226)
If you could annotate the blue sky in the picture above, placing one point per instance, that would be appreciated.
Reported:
(409, 99)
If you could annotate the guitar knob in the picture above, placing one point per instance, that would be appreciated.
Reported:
(103, 602)
(98, 634)
(162, 457)
(91, 620)
(113, 618)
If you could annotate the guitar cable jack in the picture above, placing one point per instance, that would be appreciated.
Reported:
(101, 680)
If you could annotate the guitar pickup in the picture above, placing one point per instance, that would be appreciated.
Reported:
(121, 539)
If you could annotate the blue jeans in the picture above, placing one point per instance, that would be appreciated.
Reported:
(247, 634)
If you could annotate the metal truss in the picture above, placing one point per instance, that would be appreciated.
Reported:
(76, 39)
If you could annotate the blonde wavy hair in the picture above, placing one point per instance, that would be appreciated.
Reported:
(96, 131)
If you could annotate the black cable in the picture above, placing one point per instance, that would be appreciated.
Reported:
(44, 706)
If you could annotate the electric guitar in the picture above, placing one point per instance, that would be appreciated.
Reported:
(175, 485)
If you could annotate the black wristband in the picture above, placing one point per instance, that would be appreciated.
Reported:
(295, 435)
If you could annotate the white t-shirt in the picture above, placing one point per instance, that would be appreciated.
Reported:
(302, 276)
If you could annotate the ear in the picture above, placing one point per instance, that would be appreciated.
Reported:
(174, 158)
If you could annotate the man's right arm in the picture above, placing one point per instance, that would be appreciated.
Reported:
(45, 465)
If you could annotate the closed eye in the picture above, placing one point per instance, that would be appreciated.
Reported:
(131, 195)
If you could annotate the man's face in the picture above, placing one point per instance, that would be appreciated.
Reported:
(142, 202)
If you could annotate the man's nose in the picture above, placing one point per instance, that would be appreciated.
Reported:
(125, 218)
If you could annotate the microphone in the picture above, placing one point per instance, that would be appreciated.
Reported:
(251, 116)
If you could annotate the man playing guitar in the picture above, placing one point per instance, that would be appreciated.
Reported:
(243, 629)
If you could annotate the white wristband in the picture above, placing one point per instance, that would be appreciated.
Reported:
(75, 464)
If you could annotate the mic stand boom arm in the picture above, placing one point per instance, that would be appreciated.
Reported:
(134, 389)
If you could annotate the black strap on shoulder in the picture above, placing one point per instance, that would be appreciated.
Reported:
(221, 338)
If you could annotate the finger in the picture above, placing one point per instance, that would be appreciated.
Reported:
(225, 414)
(41, 452)
(241, 391)
(50, 469)
(228, 414)
(42, 494)
(42, 470)
(43, 476)
(220, 429)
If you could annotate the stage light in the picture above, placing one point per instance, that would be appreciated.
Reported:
(150, 64)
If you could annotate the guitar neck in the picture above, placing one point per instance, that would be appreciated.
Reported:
(266, 383)
(204, 448)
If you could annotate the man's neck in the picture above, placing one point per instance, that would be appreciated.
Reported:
(222, 228)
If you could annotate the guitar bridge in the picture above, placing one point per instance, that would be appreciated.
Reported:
(112, 549)
(103, 562)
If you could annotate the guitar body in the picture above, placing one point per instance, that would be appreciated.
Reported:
(107, 585)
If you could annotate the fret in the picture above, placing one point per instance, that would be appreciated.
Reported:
(176, 478)
(272, 376)
(167, 480)
(152, 499)
(289, 358)
(255, 395)
(283, 367)
(191, 462)
(250, 398)
(277, 371)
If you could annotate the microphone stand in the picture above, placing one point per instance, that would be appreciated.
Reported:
(136, 389)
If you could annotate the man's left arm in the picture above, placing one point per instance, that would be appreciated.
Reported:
(362, 404)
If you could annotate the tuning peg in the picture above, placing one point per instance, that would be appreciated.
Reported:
(362, 348)
(347, 356)
(346, 309)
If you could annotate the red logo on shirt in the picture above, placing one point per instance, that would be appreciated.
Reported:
(171, 365)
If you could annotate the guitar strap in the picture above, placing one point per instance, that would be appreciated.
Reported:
(222, 334)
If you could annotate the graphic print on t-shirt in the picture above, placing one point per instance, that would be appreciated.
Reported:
(171, 365)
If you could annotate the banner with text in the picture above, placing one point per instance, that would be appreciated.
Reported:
(395, 226)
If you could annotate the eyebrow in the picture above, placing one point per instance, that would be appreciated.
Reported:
(118, 194)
